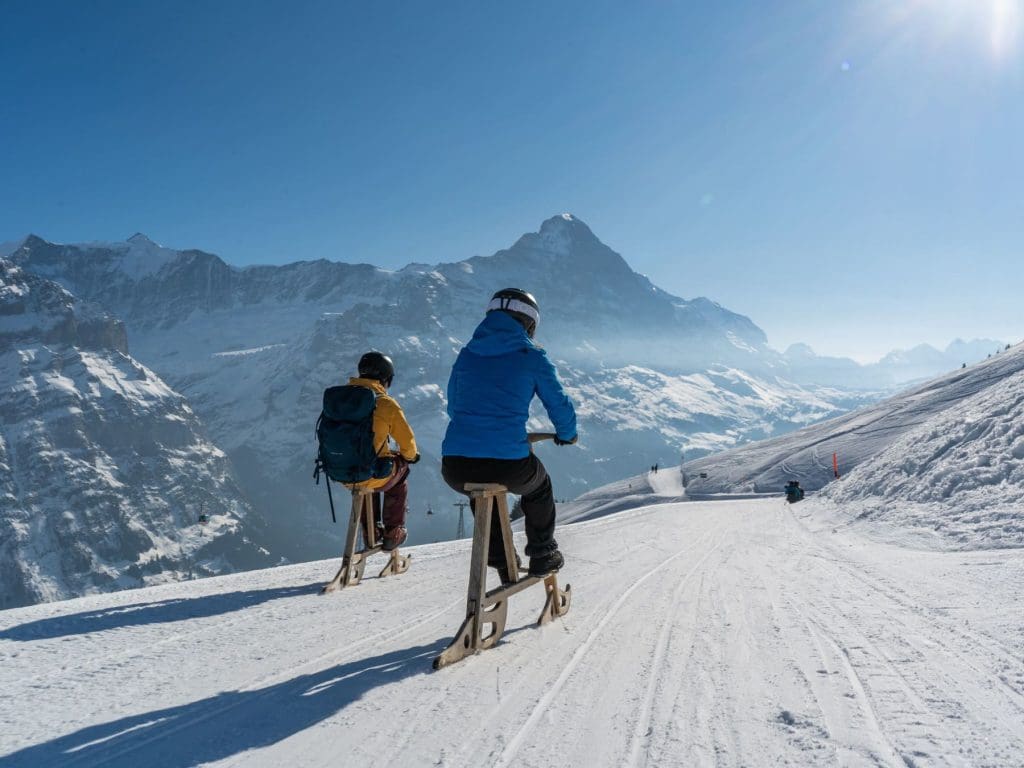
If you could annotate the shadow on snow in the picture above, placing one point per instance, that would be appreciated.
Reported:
(159, 612)
(229, 723)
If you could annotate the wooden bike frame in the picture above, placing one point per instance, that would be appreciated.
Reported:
(487, 611)
(354, 562)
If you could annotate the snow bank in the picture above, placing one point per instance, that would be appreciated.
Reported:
(959, 474)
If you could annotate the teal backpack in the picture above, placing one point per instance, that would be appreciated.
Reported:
(344, 433)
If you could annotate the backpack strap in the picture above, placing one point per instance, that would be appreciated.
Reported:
(330, 498)
(376, 450)
(318, 467)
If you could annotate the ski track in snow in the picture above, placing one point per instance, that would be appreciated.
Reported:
(728, 633)
(517, 741)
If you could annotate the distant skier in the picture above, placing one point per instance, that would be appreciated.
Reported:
(794, 492)
(492, 383)
(376, 372)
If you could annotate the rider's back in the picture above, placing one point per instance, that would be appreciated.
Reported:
(492, 383)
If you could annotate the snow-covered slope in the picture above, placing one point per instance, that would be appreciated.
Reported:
(252, 349)
(103, 468)
(959, 475)
(890, 426)
(700, 634)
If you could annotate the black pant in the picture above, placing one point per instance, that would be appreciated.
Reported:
(526, 477)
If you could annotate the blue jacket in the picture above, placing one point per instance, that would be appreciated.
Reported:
(493, 381)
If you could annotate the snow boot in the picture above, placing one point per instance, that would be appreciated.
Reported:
(542, 565)
(394, 537)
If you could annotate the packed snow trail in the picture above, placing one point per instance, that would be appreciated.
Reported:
(704, 633)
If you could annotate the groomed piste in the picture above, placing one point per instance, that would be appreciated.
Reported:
(701, 633)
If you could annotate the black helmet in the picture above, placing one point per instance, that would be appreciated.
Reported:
(518, 303)
(377, 365)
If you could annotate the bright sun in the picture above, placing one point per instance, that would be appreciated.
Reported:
(1005, 25)
(997, 25)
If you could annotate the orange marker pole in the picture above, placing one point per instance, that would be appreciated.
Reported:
(835, 465)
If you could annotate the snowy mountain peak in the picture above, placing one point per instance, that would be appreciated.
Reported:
(975, 349)
(111, 267)
(33, 241)
(799, 350)
(561, 233)
(564, 242)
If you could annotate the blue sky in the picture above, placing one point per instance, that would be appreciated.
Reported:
(849, 174)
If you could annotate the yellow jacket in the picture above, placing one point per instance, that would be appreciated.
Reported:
(388, 421)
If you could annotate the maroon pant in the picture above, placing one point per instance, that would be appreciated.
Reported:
(395, 491)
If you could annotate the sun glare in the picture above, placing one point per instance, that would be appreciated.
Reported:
(1005, 26)
(994, 25)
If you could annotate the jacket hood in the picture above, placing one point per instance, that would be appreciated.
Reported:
(498, 334)
(373, 384)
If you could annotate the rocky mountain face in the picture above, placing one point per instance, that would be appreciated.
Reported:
(253, 348)
(104, 469)
(35, 310)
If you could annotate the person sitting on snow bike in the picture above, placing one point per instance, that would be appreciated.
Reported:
(376, 372)
(492, 383)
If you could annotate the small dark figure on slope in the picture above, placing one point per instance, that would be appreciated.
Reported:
(794, 492)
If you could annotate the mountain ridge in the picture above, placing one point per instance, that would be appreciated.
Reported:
(325, 280)
(253, 348)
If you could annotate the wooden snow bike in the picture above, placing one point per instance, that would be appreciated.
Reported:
(353, 562)
(489, 609)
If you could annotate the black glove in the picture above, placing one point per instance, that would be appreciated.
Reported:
(415, 459)
(571, 441)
